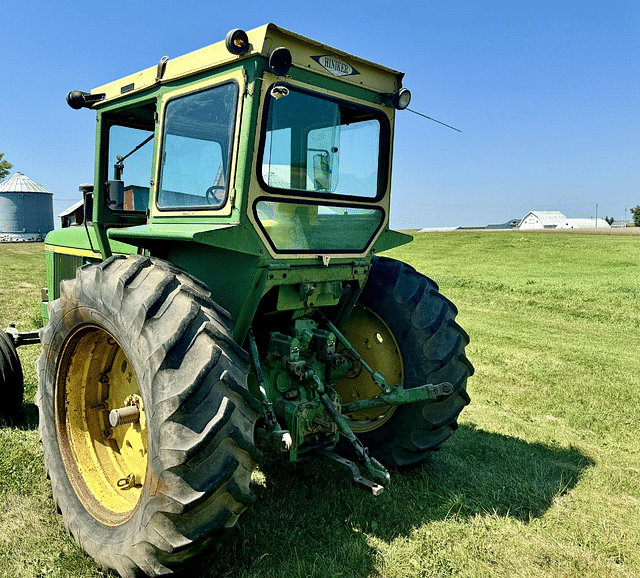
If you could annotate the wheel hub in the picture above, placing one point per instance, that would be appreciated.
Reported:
(105, 458)
(375, 343)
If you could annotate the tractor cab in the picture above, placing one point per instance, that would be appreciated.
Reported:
(268, 149)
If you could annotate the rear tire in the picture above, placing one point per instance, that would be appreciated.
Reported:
(11, 378)
(429, 345)
(142, 329)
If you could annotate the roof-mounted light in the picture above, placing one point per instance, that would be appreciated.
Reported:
(78, 99)
(401, 99)
(280, 61)
(237, 42)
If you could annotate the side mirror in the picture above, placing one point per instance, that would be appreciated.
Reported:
(87, 196)
(115, 195)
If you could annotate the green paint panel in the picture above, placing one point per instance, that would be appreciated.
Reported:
(76, 238)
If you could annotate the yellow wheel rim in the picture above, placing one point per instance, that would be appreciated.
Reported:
(372, 339)
(106, 465)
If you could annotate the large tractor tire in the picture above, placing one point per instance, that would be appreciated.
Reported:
(405, 328)
(11, 378)
(150, 490)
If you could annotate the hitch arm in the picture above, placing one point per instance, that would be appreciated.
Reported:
(358, 478)
(401, 396)
(24, 337)
(373, 466)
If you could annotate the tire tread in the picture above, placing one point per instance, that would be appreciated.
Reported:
(432, 346)
(203, 420)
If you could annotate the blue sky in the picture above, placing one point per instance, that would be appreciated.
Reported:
(547, 94)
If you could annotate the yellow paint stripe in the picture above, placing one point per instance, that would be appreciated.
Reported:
(73, 251)
(261, 41)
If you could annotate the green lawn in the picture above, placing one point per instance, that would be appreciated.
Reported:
(540, 480)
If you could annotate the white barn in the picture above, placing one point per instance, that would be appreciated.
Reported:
(585, 224)
(543, 220)
(556, 220)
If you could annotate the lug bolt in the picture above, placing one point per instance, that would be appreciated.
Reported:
(124, 415)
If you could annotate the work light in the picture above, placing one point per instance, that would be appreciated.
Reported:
(237, 42)
(401, 99)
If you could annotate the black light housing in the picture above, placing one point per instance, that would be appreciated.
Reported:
(237, 42)
(280, 61)
(78, 99)
(401, 99)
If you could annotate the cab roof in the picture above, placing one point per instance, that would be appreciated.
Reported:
(306, 54)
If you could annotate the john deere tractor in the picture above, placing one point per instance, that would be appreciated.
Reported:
(224, 295)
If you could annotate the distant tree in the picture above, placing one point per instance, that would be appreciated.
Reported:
(609, 220)
(5, 166)
(636, 215)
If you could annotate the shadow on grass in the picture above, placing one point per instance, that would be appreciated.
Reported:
(311, 520)
(27, 419)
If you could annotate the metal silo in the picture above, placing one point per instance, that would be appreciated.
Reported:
(26, 210)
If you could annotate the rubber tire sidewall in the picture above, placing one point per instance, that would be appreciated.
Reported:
(195, 395)
(82, 524)
(432, 347)
(11, 377)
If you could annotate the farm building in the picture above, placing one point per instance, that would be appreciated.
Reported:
(512, 224)
(542, 220)
(26, 210)
(72, 216)
(585, 224)
(556, 220)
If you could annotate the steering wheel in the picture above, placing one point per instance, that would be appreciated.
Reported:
(210, 194)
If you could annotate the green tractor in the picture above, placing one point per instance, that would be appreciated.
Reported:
(224, 295)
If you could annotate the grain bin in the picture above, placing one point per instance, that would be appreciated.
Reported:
(26, 210)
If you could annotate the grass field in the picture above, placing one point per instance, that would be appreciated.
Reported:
(540, 480)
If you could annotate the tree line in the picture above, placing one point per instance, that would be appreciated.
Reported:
(5, 167)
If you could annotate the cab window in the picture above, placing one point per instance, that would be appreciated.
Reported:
(196, 149)
(130, 155)
(313, 144)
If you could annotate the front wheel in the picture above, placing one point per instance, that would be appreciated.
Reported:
(145, 417)
(11, 378)
(405, 328)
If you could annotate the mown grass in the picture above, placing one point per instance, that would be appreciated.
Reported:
(541, 479)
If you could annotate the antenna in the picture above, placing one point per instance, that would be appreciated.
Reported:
(433, 119)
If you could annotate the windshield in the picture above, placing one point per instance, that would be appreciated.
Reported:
(313, 144)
